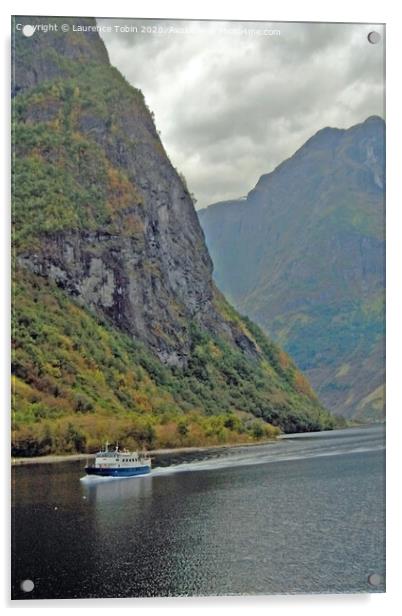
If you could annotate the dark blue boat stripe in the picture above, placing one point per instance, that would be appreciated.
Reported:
(118, 472)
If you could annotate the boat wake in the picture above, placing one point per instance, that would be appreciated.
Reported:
(283, 451)
(252, 460)
(93, 480)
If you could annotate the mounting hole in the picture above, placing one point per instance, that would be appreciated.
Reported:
(374, 37)
(27, 585)
(374, 579)
(28, 30)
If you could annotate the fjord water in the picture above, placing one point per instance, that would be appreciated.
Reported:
(302, 515)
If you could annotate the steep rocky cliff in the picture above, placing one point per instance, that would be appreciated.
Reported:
(303, 255)
(100, 214)
(131, 245)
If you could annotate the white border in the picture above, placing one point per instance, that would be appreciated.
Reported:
(291, 10)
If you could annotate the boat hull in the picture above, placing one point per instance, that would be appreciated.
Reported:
(117, 472)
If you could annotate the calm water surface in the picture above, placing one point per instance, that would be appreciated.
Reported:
(303, 515)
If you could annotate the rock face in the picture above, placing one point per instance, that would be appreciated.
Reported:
(146, 266)
(304, 257)
(105, 230)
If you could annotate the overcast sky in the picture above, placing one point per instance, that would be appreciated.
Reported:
(231, 106)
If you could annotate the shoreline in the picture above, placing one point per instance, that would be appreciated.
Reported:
(73, 457)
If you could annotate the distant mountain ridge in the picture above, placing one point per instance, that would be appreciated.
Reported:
(304, 255)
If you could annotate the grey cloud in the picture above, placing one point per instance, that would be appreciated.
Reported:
(232, 107)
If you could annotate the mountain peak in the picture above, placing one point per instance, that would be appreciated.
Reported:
(304, 257)
(374, 118)
(329, 136)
